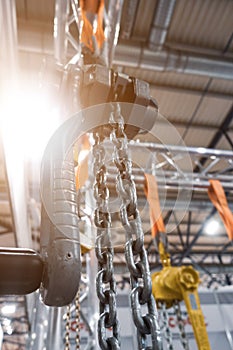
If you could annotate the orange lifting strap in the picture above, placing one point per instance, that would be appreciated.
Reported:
(95, 7)
(156, 219)
(218, 198)
(81, 170)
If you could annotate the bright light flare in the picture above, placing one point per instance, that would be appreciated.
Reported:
(28, 121)
(212, 227)
(8, 309)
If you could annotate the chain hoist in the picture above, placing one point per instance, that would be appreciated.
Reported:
(105, 281)
(135, 253)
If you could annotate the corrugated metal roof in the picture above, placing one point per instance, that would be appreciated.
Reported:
(166, 134)
(204, 23)
(222, 85)
(144, 19)
(174, 105)
(197, 137)
(169, 78)
(212, 111)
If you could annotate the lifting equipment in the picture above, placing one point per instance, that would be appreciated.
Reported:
(93, 83)
(174, 284)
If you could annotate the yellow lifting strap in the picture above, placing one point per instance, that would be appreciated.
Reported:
(218, 198)
(87, 32)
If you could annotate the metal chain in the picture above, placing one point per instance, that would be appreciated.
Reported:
(183, 338)
(167, 331)
(135, 253)
(105, 281)
(77, 321)
(67, 335)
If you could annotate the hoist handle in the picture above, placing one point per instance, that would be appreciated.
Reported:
(188, 280)
(218, 198)
(60, 240)
(196, 317)
(20, 271)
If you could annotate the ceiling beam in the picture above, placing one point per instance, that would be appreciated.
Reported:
(222, 129)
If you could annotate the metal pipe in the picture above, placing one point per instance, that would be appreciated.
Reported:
(197, 92)
(199, 151)
(197, 49)
(167, 174)
(112, 28)
(178, 183)
(55, 328)
(161, 23)
(8, 36)
(60, 29)
(128, 18)
(137, 56)
(17, 185)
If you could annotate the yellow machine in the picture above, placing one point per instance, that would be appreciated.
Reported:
(180, 283)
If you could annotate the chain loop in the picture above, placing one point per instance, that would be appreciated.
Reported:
(135, 253)
(167, 331)
(183, 338)
(105, 281)
(67, 335)
(77, 321)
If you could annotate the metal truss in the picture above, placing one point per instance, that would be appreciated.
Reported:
(217, 164)
(67, 31)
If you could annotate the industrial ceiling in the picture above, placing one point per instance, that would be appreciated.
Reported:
(184, 50)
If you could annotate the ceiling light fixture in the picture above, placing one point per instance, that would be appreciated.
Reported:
(212, 227)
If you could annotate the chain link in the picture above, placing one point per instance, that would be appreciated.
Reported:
(135, 253)
(105, 281)
(77, 321)
(183, 338)
(167, 331)
(67, 335)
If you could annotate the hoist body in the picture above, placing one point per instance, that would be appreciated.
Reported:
(94, 84)
(181, 283)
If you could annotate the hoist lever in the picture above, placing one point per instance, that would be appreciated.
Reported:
(196, 317)
(20, 271)
(181, 283)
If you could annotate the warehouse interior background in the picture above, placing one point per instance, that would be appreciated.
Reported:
(184, 50)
